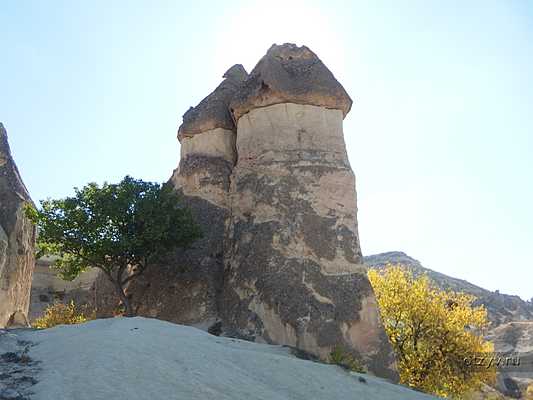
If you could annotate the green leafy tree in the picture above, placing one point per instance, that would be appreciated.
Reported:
(119, 228)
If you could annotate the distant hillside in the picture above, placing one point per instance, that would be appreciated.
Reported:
(502, 308)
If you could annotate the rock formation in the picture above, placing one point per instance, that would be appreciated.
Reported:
(17, 241)
(265, 171)
(294, 272)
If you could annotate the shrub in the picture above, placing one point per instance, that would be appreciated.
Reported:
(529, 392)
(63, 314)
(341, 357)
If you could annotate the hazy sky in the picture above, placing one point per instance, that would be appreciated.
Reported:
(440, 135)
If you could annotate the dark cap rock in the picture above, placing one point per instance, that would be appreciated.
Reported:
(213, 111)
(290, 74)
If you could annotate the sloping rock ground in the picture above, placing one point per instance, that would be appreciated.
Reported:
(139, 358)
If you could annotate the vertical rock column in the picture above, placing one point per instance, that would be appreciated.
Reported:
(207, 137)
(17, 241)
(294, 267)
(185, 289)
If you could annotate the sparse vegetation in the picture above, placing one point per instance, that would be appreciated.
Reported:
(529, 392)
(63, 314)
(341, 357)
(434, 333)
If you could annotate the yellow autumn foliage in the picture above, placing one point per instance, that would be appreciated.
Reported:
(529, 392)
(62, 314)
(436, 334)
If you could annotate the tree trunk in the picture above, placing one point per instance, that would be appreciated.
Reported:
(125, 300)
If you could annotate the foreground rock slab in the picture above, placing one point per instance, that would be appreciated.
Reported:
(139, 358)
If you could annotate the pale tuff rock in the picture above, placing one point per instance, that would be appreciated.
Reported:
(205, 165)
(216, 142)
(17, 241)
(290, 74)
(47, 288)
(294, 272)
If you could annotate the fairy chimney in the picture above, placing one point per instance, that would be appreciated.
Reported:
(294, 270)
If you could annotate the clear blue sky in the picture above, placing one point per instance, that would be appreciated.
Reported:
(440, 136)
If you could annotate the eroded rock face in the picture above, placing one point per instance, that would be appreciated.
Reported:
(17, 241)
(294, 266)
(205, 166)
(515, 338)
(185, 288)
